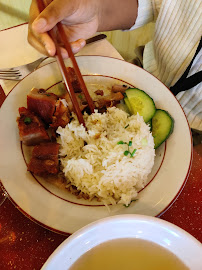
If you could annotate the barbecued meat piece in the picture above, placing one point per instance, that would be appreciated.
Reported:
(46, 151)
(31, 128)
(119, 88)
(101, 104)
(99, 92)
(42, 103)
(81, 101)
(61, 115)
(108, 101)
(73, 79)
(42, 167)
(44, 160)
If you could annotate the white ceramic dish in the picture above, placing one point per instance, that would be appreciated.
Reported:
(57, 209)
(163, 233)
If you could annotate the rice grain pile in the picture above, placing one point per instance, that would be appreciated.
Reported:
(111, 159)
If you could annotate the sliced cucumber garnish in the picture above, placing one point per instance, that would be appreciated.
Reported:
(140, 102)
(123, 107)
(162, 127)
(149, 123)
(128, 104)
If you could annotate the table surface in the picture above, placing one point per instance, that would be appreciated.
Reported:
(26, 245)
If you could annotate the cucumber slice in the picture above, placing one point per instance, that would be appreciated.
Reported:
(128, 104)
(141, 103)
(149, 123)
(123, 107)
(162, 127)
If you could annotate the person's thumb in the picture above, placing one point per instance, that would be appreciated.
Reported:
(55, 12)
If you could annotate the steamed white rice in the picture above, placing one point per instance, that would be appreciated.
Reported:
(95, 163)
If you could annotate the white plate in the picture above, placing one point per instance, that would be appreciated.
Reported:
(15, 48)
(57, 209)
(184, 246)
(15, 51)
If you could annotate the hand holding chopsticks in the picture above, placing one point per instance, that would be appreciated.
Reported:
(59, 58)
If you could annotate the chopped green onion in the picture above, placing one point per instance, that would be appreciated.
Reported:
(126, 153)
(129, 203)
(80, 96)
(48, 95)
(130, 143)
(133, 153)
(126, 126)
(27, 120)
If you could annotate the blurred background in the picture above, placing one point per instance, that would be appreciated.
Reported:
(15, 12)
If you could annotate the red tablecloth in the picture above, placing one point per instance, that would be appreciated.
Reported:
(26, 245)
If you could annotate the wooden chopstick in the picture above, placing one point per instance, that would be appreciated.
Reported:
(75, 65)
(2, 96)
(59, 58)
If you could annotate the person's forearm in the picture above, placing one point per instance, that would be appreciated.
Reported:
(117, 14)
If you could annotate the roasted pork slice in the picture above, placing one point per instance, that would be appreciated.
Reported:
(44, 160)
(67, 98)
(47, 150)
(43, 167)
(108, 101)
(73, 79)
(31, 128)
(42, 103)
(61, 115)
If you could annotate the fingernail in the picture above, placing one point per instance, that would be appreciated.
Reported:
(39, 23)
(82, 42)
(64, 53)
(48, 49)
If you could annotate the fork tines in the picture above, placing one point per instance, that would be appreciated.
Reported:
(59, 28)
(11, 73)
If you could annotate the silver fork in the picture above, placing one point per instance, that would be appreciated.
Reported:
(18, 73)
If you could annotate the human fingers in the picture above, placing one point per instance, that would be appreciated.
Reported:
(41, 42)
(55, 12)
(76, 47)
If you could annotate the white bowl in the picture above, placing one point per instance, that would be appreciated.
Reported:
(163, 233)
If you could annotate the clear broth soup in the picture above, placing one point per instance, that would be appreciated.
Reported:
(128, 254)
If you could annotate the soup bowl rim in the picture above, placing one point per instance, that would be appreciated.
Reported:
(187, 248)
